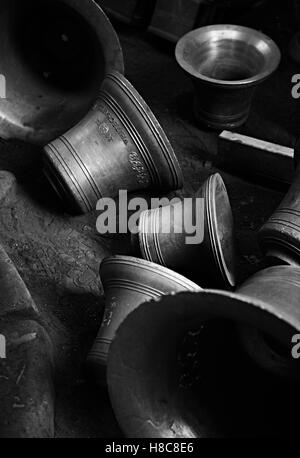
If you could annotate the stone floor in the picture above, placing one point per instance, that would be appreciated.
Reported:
(58, 255)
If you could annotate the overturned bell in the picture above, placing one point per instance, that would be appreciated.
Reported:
(159, 389)
(226, 63)
(118, 145)
(54, 55)
(127, 283)
(193, 236)
(280, 235)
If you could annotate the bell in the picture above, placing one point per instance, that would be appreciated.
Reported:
(158, 390)
(54, 55)
(280, 235)
(128, 282)
(118, 145)
(226, 63)
(193, 236)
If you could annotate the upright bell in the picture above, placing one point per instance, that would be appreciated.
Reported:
(54, 55)
(118, 145)
(226, 63)
(226, 396)
(128, 282)
(280, 235)
(193, 236)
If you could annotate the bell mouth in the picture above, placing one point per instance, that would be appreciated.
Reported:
(140, 113)
(228, 55)
(54, 55)
(221, 229)
(143, 376)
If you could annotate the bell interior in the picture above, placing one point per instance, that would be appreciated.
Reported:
(52, 61)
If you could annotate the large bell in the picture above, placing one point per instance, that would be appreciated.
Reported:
(207, 253)
(128, 282)
(54, 55)
(160, 388)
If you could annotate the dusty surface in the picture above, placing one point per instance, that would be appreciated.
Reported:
(58, 255)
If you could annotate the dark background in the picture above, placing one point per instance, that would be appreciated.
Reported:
(58, 255)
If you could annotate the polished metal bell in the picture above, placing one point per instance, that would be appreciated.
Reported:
(226, 63)
(54, 55)
(207, 251)
(147, 390)
(127, 283)
(118, 145)
(280, 235)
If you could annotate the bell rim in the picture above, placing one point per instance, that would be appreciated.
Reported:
(148, 266)
(251, 81)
